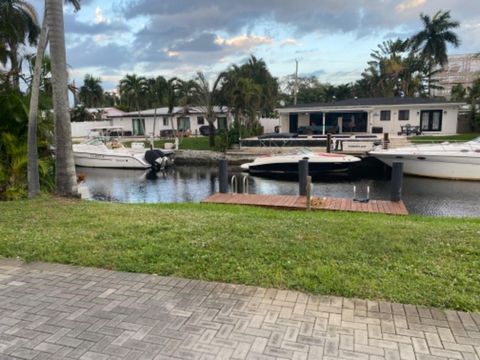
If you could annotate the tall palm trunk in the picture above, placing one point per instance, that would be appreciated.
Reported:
(32, 173)
(65, 177)
(211, 133)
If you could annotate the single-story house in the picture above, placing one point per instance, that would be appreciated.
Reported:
(147, 122)
(104, 113)
(371, 115)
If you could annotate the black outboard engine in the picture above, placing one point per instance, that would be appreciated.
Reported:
(152, 155)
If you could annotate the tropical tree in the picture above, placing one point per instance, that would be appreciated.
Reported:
(65, 176)
(431, 42)
(18, 26)
(474, 100)
(206, 98)
(458, 92)
(256, 70)
(33, 176)
(186, 91)
(91, 92)
(132, 89)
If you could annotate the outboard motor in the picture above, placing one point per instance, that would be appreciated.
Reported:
(151, 156)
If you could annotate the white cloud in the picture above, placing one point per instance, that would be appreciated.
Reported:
(289, 42)
(99, 17)
(244, 42)
(171, 53)
(409, 4)
(101, 38)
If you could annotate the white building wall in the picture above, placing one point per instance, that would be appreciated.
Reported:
(127, 123)
(393, 126)
(269, 124)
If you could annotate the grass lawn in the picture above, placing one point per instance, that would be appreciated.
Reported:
(189, 143)
(409, 259)
(458, 137)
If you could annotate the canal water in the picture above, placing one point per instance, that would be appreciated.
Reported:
(194, 183)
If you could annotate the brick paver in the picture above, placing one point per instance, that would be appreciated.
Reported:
(64, 312)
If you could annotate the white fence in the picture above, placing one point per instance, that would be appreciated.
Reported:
(81, 129)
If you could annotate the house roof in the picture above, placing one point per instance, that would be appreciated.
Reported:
(109, 111)
(367, 102)
(163, 111)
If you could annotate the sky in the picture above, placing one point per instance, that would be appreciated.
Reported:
(331, 39)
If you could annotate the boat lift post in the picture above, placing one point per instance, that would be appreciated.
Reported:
(223, 176)
(397, 182)
(302, 176)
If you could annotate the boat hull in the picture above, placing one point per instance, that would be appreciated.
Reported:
(97, 160)
(291, 169)
(435, 166)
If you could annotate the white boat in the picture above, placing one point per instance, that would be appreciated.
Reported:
(320, 164)
(459, 161)
(104, 151)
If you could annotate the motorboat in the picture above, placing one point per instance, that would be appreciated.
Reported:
(459, 161)
(320, 164)
(105, 151)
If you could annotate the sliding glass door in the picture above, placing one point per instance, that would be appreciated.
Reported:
(431, 120)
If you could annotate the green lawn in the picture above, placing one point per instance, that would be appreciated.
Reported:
(189, 143)
(409, 259)
(458, 137)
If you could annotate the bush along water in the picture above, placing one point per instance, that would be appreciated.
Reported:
(226, 139)
(13, 146)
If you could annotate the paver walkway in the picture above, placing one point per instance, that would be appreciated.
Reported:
(64, 312)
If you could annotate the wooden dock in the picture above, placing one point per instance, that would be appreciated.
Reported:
(300, 203)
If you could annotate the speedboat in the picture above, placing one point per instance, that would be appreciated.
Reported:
(320, 164)
(459, 161)
(101, 152)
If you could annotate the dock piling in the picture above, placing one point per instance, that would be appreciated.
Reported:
(397, 182)
(302, 176)
(386, 140)
(329, 143)
(223, 176)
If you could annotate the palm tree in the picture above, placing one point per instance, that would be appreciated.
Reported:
(432, 41)
(206, 99)
(91, 93)
(186, 91)
(65, 177)
(18, 26)
(33, 176)
(132, 89)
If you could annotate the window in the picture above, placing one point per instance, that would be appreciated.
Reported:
(431, 120)
(184, 123)
(138, 126)
(404, 115)
(385, 115)
(200, 120)
(222, 123)
(165, 121)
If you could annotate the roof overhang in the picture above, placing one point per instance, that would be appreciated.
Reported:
(346, 109)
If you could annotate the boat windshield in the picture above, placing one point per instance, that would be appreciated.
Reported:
(99, 140)
(475, 141)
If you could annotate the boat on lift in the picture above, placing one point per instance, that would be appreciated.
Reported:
(320, 164)
(104, 150)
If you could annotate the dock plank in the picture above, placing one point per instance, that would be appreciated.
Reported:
(300, 202)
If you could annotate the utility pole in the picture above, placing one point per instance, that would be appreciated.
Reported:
(296, 83)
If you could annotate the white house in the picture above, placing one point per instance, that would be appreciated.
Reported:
(372, 115)
(153, 121)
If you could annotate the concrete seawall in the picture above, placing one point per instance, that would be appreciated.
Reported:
(204, 157)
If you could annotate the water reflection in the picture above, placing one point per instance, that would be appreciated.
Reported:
(194, 183)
